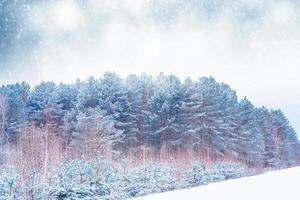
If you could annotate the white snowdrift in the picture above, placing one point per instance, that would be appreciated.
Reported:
(278, 185)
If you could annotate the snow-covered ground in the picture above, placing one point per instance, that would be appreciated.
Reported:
(278, 185)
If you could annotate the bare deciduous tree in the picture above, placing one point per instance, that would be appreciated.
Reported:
(3, 134)
(96, 135)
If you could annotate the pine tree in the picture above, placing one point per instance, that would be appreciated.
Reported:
(138, 89)
(166, 109)
(9, 185)
(270, 153)
(213, 128)
(16, 114)
(195, 176)
(70, 181)
(35, 188)
(285, 139)
(87, 92)
(250, 137)
(151, 178)
(114, 100)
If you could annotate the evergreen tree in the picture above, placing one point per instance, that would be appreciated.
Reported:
(114, 100)
(16, 114)
(270, 153)
(196, 176)
(35, 188)
(212, 129)
(250, 137)
(43, 105)
(285, 139)
(166, 108)
(9, 185)
(88, 96)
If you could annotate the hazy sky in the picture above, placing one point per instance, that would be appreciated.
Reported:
(253, 45)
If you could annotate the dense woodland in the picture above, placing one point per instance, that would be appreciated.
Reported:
(142, 119)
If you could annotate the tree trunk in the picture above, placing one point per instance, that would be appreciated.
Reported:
(46, 154)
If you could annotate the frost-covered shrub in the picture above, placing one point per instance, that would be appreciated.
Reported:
(87, 180)
(9, 189)
(72, 181)
(160, 178)
(101, 180)
(129, 179)
(107, 184)
(195, 176)
(135, 183)
(224, 171)
(153, 178)
(35, 188)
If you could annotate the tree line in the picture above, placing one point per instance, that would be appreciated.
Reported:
(140, 118)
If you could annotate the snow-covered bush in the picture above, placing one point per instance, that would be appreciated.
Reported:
(72, 181)
(107, 184)
(101, 180)
(153, 178)
(9, 189)
(224, 171)
(87, 180)
(35, 188)
(195, 176)
(131, 178)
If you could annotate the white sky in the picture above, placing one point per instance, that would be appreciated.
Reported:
(253, 46)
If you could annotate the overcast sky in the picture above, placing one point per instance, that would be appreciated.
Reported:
(253, 45)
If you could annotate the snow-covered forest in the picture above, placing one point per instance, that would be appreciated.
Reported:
(114, 138)
(177, 124)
